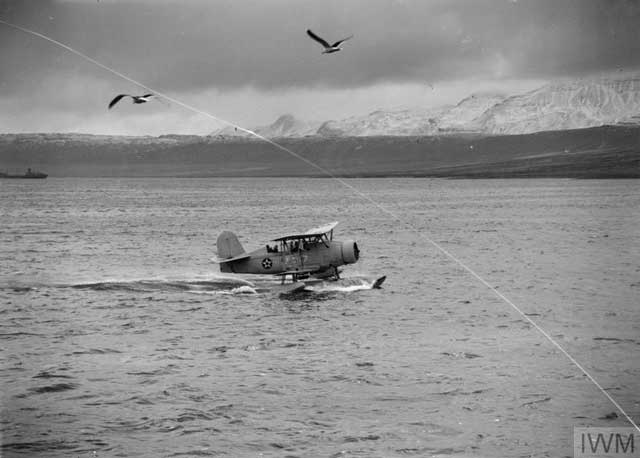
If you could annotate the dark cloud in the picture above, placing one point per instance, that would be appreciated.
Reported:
(208, 52)
(190, 45)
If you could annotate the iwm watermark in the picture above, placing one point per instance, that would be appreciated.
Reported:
(591, 442)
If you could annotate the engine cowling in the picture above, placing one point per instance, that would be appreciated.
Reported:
(350, 252)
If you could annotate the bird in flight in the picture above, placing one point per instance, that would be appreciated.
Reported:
(136, 98)
(328, 49)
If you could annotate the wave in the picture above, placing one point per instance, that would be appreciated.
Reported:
(244, 289)
(224, 285)
(38, 446)
(53, 388)
(209, 286)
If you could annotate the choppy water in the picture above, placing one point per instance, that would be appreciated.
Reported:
(118, 337)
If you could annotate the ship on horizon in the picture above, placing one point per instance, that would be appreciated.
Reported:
(28, 174)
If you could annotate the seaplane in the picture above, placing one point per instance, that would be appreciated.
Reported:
(305, 258)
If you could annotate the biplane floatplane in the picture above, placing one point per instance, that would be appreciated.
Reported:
(304, 257)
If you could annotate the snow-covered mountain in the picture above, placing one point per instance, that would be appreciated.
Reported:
(401, 122)
(460, 118)
(557, 106)
(436, 121)
(570, 105)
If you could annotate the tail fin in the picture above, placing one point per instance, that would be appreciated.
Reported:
(228, 245)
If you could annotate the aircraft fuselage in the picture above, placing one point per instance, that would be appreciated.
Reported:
(310, 256)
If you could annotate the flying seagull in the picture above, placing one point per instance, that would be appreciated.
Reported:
(136, 98)
(328, 49)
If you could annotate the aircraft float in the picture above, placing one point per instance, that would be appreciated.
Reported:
(305, 258)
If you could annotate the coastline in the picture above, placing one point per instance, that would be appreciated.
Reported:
(601, 152)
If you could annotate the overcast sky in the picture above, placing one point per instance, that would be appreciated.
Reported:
(251, 61)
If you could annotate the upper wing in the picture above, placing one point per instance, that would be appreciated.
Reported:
(315, 232)
(318, 39)
(117, 99)
(337, 43)
(321, 230)
(147, 96)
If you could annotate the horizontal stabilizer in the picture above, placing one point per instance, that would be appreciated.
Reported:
(235, 258)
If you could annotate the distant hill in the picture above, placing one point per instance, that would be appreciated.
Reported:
(609, 151)
(285, 126)
(576, 104)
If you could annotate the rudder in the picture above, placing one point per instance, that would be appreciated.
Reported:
(228, 245)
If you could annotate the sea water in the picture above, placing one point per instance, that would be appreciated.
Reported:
(119, 336)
